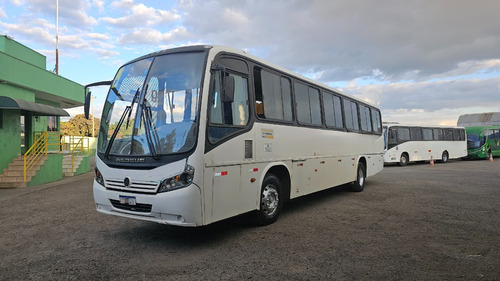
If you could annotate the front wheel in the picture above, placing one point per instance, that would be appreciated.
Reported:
(403, 160)
(359, 184)
(271, 200)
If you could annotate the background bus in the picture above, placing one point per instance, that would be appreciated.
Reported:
(194, 135)
(404, 143)
(483, 141)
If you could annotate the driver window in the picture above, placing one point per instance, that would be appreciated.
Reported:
(228, 117)
(230, 113)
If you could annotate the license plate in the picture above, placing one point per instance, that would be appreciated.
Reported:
(128, 200)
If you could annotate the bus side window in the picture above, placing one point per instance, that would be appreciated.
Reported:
(438, 134)
(272, 96)
(227, 117)
(364, 113)
(457, 135)
(448, 134)
(427, 134)
(377, 125)
(351, 115)
(416, 134)
(403, 134)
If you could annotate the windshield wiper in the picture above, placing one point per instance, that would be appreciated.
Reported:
(112, 139)
(147, 118)
(131, 106)
(127, 112)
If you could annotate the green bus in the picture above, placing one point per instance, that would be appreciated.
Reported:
(483, 140)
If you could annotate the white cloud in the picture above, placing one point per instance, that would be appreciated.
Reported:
(149, 36)
(36, 34)
(99, 4)
(2, 13)
(17, 2)
(134, 14)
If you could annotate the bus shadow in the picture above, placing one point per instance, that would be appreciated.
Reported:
(178, 238)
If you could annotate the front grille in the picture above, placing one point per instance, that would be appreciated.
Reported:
(137, 186)
(143, 208)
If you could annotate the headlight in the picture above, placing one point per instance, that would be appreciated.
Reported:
(98, 177)
(178, 181)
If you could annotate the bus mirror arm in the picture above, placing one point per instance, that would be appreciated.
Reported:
(87, 96)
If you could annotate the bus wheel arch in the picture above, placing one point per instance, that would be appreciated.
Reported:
(404, 159)
(445, 156)
(274, 191)
(359, 184)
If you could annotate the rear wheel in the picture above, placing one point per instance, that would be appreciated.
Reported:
(445, 157)
(359, 184)
(271, 200)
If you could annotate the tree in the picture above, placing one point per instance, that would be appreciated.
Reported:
(80, 126)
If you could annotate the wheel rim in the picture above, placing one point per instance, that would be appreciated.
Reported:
(270, 200)
(361, 177)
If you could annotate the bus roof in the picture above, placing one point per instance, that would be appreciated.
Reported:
(481, 128)
(479, 119)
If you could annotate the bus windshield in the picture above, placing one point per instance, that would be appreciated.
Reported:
(152, 106)
(475, 141)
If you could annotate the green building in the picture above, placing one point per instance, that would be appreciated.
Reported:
(32, 100)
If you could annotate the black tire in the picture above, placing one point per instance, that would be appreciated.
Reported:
(359, 184)
(271, 200)
(404, 159)
(445, 157)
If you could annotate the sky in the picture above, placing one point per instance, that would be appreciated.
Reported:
(420, 61)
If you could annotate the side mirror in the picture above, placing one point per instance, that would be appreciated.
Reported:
(228, 89)
(86, 107)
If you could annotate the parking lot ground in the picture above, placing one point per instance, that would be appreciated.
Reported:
(410, 223)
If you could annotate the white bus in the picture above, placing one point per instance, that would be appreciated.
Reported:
(405, 143)
(193, 135)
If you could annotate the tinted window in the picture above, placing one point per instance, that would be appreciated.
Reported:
(448, 134)
(364, 115)
(393, 138)
(416, 134)
(427, 134)
(332, 110)
(308, 106)
(351, 115)
(272, 95)
(403, 134)
(438, 134)
(377, 125)
(315, 106)
(302, 99)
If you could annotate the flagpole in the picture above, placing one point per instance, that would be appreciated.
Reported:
(57, 37)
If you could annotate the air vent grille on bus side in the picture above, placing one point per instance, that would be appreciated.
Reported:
(248, 149)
